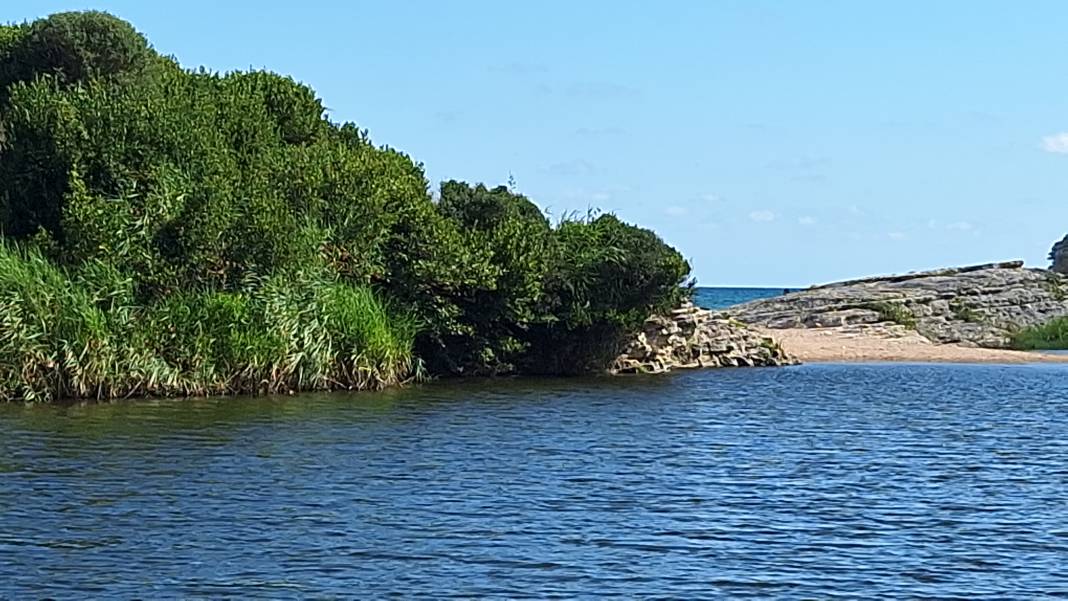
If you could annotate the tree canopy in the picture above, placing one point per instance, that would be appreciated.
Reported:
(191, 182)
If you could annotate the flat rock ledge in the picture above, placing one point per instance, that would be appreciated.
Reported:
(978, 305)
(690, 338)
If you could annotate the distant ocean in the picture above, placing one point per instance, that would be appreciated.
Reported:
(719, 298)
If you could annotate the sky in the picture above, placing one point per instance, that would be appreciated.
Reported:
(772, 143)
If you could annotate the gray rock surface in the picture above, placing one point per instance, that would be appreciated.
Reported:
(1058, 256)
(691, 337)
(979, 305)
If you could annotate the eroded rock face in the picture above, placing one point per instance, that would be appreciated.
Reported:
(1058, 256)
(980, 305)
(691, 337)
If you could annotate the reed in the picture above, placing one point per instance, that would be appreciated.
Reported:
(83, 335)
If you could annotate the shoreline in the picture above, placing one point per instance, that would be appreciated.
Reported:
(889, 345)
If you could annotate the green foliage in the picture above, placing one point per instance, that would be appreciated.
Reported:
(497, 308)
(607, 278)
(214, 204)
(73, 47)
(895, 313)
(1052, 335)
(85, 336)
(965, 312)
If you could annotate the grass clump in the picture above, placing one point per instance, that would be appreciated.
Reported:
(84, 335)
(894, 312)
(1052, 335)
(964, 312)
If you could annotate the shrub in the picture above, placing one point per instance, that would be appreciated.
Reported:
(514, 237)
(607, 278)
(74, 47)
(1052, 335)
(894, 313)
(244, 242)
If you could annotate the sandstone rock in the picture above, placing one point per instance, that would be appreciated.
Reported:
(979, 305)
(691, 337)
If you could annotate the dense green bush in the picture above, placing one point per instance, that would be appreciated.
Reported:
(73, 47)
(607, 278)
(498, 310)
(216, 205)
(1052, 335)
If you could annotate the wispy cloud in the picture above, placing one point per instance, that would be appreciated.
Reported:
(806, 220)
(600, 196)
(762, 216)
(447, 117)
(601, 90)
(960, 226)
(710, 197)
(572, 168)
(599, 132)
(897, 235)
(810, 169)
(676, 211)
(1056, 143)
(517, 68)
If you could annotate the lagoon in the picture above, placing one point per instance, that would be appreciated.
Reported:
(818, 481)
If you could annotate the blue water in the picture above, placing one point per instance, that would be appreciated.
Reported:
(720, 298)
(818, 482)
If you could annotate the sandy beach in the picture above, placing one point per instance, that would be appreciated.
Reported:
(854, 345)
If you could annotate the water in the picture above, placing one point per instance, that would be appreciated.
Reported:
(822, 482)
(719, 298)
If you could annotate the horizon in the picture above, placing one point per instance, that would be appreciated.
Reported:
(795, 144)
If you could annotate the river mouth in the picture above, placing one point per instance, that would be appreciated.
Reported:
(809, 481)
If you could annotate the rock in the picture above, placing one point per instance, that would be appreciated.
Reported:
(978, 305)
(1058, 256)
(690, 337)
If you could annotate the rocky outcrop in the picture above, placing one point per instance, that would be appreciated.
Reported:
(691, 337)
(980, 305)
(1058, 256)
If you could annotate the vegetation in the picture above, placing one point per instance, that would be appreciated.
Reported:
(1052, 335)
(965, 312)
(168, 231)
(895, 313)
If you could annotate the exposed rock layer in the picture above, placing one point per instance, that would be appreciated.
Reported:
(691, 337)
(1058, 256)
(980, 305)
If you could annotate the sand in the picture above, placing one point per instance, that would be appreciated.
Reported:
(835, 345)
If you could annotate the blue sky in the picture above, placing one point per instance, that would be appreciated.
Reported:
(773, 143)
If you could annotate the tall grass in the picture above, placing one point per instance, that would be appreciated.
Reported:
(1052, 335)
(83, 335)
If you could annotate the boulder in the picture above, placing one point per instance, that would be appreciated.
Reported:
(690, 337)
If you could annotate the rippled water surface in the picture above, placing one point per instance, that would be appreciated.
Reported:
(812, 482)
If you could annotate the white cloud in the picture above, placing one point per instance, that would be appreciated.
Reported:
(600, 196)
(960, 226)
(806, 220)
(1057, 143)
(677, 211)
(711, 197)
(897, 235)
(762, 215)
